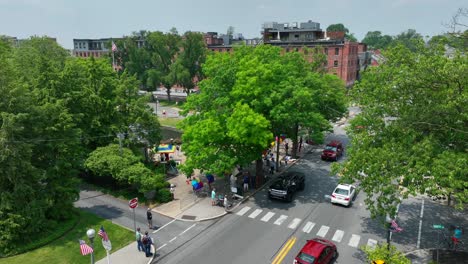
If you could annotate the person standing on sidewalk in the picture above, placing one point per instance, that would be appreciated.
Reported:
(149, 217)
(246, 182)
(286, 147)
(272, 166)
(147, 242)
(138, 239)
(213, 197)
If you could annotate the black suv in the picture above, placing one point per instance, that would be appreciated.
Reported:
(286, 185)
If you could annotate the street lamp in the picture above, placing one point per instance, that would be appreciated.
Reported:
(91, 233)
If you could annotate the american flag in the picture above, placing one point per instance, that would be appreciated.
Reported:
(103, 234)
(114, 47)
(85, 249)
(395, 227)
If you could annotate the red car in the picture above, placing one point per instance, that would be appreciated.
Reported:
(332, 151)
(317, 251)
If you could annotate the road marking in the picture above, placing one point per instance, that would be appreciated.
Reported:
(295, 222)
(163, 226)
(172, 239)
(255, 213)
(267, 217)
(243, 211)
(323, 231)
(161, 247)
(354, 241)
(371, 243)
(187, 229)
(338, 236)
(308, 227)
(280, 219)
(284, 251)
(418, 244)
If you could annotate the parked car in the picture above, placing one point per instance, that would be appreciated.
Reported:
(317, 251)
(286, 185)
(332, 151)
(343, 194)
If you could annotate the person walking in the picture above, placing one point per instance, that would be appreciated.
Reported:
(226, 205)
(149, 217)
(213, 197)
(138, 236)
(233, 181)
(147, 242)
(286, 147)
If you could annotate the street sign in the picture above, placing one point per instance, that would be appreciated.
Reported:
(133, 203)
(438, 226)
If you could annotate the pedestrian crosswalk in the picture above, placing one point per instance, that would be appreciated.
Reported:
(323, 231)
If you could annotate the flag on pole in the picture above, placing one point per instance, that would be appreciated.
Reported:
(103, 234)
(394, 226)
(85, 249)
(114, 47)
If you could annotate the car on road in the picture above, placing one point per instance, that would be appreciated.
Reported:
(332, 151)
(343, 194)
(286, 185)
(317, 251)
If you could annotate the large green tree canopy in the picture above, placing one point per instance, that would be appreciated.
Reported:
(250, 96)
(411, 136)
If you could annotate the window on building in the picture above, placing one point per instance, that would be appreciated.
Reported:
(326, 51)
(335, 63)
(296, 36)
(337, 51)
(287, 49)
(228, 50)
(212, 49)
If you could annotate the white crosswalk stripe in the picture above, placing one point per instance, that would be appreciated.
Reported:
(371, 243)
(255, 213)
(280, 219)
(243, 210)
(294, 223)
(354, 241)
(323, 231)
(267, 217)
(308, 227)
(338, 236)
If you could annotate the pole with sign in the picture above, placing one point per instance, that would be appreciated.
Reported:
(439, 228)
(133, 203)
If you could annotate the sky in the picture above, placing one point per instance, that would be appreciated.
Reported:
(67, 19)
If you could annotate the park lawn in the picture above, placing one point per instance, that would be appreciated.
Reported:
(67, 249)
(170, 122)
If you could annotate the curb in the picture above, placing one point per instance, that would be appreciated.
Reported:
(188, 220)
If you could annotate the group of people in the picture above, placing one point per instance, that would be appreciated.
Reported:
(144, 242)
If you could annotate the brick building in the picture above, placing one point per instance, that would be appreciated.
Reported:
(344, 58)
(91, 47)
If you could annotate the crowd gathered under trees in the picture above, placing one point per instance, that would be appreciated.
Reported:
(60, 116)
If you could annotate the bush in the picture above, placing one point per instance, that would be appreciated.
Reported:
(164, 196)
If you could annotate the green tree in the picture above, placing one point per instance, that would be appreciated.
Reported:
(163, 49)
(375, 40)
(193, 55)
(409, 38)
(398, 143)
(381, 252)
(247, 98)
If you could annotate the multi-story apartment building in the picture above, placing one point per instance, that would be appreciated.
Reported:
(342, 55)
(91, 47)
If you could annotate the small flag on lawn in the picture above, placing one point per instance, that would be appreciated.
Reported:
(85, 249)
(103, 234)
(114, 47)
(394, 227)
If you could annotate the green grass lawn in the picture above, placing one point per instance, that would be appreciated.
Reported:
(171, 122)
(67, 249)
(171, 103)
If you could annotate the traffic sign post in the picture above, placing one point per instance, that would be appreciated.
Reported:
(439, 228)
(133, 203)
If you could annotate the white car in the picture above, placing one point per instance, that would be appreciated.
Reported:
(343, 194)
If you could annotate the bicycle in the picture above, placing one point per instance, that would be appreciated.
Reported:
(451, 242)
